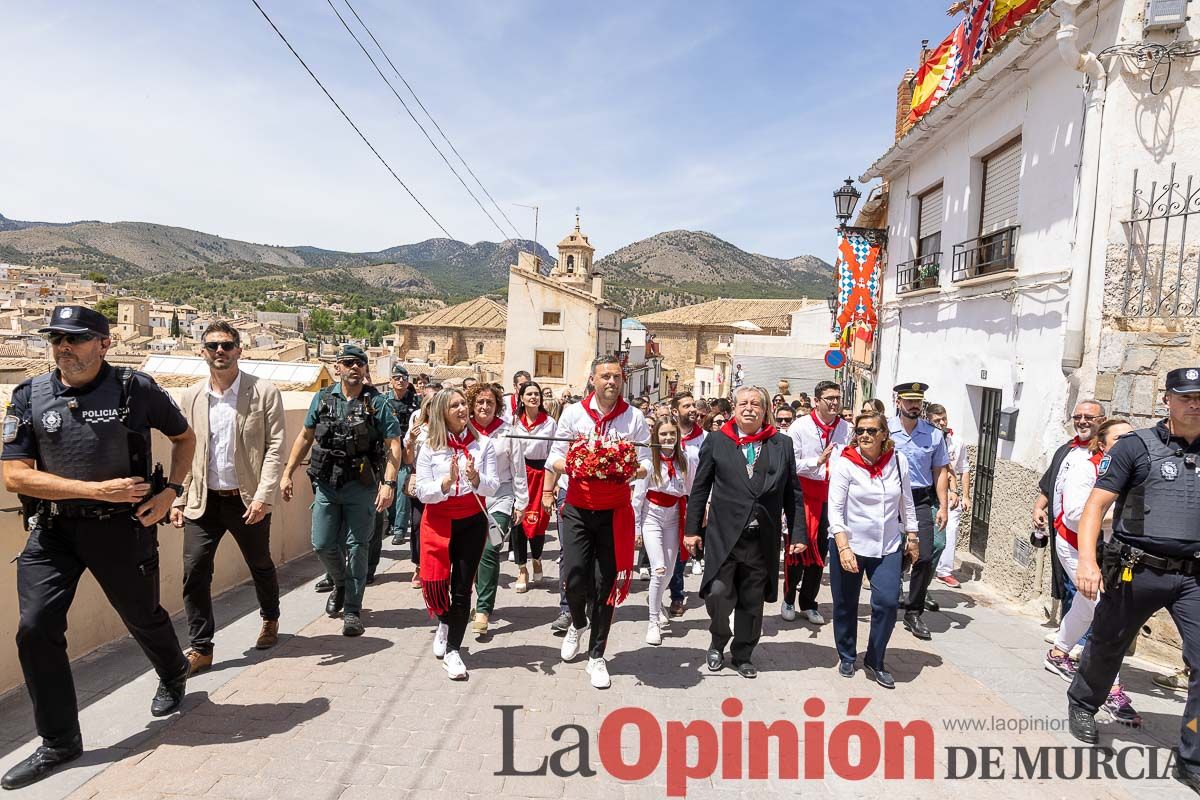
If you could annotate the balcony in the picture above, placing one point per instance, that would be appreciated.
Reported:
(986, 256)
(923, 272)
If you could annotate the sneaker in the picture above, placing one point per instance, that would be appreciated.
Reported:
(512, 556)
(1121, 710)
(440, 639)
(812, 616)
(197, 662)
(644, 573)
(598, 669)
(950, 581)
(351, 624)
(570, 645)
(1176, 681)
(454, 665)
(1061, 665)
(397, 540)
(480, 625)
(664, 624)
(653, 633)
(697, 567)
(787, 611)
(562, 624)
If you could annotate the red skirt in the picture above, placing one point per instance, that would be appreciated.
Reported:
(535, 520)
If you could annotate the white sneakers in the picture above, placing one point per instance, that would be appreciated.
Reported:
(454, 665)
(598, 669)
(439, 642)
(787, 611)
(570, 645)
(653, 633)
(813, 617)
(697, 567)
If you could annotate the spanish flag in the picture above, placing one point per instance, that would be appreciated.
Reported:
(1007, 13)
(938, 73)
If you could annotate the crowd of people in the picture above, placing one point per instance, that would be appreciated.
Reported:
(760, 494)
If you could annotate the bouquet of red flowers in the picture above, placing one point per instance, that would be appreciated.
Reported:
(598, 457)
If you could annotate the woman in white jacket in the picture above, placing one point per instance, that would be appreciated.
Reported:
(660, 508)
(870, 511)
(529, 532)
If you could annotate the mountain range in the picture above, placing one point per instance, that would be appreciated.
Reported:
(663, 271)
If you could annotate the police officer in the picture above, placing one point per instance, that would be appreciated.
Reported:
(924, 446)
(1151, 562)
(77, 452)
(403, 400)
(355, 443)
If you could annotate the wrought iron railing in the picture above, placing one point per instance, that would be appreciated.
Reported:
(923, 272)
(1162, 264)
(986, 255)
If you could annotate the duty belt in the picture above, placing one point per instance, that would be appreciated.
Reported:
(1132, 556)
(87, 511)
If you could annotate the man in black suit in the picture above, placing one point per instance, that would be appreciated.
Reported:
(750, 470)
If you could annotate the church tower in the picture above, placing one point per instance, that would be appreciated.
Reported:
(575, 259)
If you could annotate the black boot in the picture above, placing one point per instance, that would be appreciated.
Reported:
(43, 761)
(323, 585)
(337, 599)
(352, 625)
(169, 696)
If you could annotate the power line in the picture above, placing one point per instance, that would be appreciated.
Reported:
(432, 144)
(431, 119)
(361, 135)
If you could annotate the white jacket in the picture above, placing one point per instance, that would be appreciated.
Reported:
(874, 513)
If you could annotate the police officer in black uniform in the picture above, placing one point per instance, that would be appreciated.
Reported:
(77, 452)
(403, 398)
(1152, 561)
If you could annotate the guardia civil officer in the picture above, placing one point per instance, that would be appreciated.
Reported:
(1151, 562)
(355, 443)
(77, 452)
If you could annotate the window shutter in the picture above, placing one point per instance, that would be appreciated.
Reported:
(1001, 188)
(930, 213)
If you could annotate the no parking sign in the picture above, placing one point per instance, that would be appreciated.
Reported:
(835, 359)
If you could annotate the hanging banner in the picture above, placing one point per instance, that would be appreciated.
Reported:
(1008, 13)
(938, 74)
(857, 275)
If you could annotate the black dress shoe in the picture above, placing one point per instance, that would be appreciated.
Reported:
(323, 585)
(915, 625)
(351, 624)
(931, 604)
(397, 540)
(1082, 725)
(747, 670)
(846, 669)
(716, 661)
(371, 579)
(43, 761)
(882, 677)
(337, 599)
(168, 697)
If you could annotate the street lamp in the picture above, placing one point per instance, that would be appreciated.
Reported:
(844, 200)
(832, 302)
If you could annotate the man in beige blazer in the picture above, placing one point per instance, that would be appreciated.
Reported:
(239, 423)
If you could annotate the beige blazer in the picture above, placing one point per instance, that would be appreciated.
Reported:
(258, 451)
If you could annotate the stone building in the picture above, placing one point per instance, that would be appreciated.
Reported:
(133, 317)
(472, 331)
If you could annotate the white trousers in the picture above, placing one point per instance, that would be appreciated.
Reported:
(945, 564)
(660, 539)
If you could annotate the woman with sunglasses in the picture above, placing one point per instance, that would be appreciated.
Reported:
(716, 422)
(530, 536)
(871, 513)
(456, 471)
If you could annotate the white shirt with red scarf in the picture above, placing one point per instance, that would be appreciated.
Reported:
(629, 425)
(533, 449)
(693, 440)
(434, 465)
(809, 441)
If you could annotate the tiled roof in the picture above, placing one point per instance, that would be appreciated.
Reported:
(482, 312)
(32, 367)
(727, 311)
(184, 381)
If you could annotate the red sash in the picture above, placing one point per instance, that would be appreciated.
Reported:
(600, 495)
(664, 500)
(436, 524)
(535, 519)
(815, 494)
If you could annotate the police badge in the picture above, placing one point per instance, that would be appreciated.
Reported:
(1169, 470)
(1103, 468)
(12, 424)
(51, 421)
(1192, 374)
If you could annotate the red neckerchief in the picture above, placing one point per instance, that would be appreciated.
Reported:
(490, 429)
(949, 431)
(541, 417)
(603, 422)
(671, 467)
(1095, 460)
(730, 430)
(826, 431)
(695, 434)
(873, 470)
(459, 445)
(1077, 442)
(512, 399)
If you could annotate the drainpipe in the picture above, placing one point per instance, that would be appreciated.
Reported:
(1082, 273)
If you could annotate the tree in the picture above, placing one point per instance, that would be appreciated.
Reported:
(320, 321)
(97, 277)
(108, 307)
(175, 331)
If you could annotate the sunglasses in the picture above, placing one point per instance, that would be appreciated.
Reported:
(867, 431)
(348, 363)
(226, 347)
(784, 420)
(1087, 417)
(70, 338)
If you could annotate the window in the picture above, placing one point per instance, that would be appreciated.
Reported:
(570, 263)
(929, 222)
(479, 349)
(547, 364)
(432, 347)
(551, 319)
(1001, 188)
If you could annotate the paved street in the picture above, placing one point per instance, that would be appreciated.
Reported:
(376, 717)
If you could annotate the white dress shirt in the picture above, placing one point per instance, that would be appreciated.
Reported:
(630, 425)
(222, 435)
(874, 513)
(808, 443)
(510, 471)
(533, 449)
(434, 465)
(693, 446)
(956, 449)
(679, 486)
(1078, 473)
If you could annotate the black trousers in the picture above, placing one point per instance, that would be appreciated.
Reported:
(414, 531)
(807, 580)
(739, 587)
(921, 574)
(123, 558)
(1122, 611)
(467, 538)
(590, 570)
(201, 537)
(523, 548)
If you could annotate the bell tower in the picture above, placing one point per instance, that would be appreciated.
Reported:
(575, 258)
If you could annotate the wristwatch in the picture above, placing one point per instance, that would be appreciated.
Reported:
(389, 483)
(178, 487)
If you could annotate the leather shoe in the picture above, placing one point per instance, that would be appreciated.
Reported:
(168, 697)
(323, 585)
(337, 599)
(882, 677)
(43, 761)
(747, 670)
(352, 625)
(676, 609)
(397, 540)
(846, 669)
(268, 637)
(197, 662)
(1082, 725)
(716, 660)
(915, 625)
(931, 604)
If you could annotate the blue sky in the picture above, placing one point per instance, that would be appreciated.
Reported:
(738, 118)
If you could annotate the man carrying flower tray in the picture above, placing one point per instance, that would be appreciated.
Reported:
(597, 451)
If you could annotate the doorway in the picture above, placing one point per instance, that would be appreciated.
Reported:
(985, 470)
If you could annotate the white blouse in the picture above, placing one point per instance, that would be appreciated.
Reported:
(533, 449)
(679, 486)
(510, 471)
(874, 513)
(1076, 479)
(434, 465)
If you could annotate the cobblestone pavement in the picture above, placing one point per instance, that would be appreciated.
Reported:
(323, 716)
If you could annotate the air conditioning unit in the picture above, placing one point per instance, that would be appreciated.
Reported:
(1165, 15)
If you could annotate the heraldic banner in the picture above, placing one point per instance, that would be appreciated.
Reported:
(857, 273)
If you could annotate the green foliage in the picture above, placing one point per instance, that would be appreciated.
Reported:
(320, 321)
(97, 277)
(108, 307)
(278, 306)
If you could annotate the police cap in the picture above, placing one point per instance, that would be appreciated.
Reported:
(76, 319)
(399, 370)
(349, 351)
(1184, 381)
(911, 391)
